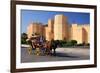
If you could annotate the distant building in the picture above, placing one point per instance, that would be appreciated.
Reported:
(59, 29)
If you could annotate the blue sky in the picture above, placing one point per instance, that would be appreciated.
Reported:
(28, 16)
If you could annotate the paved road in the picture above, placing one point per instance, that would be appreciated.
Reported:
(63, 54)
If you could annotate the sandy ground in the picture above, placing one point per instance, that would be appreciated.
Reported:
(62, 54)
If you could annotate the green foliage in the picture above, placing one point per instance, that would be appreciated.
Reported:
(23, 38)
(23, 41)
(64, 43)
(74, 42)
(87, 44)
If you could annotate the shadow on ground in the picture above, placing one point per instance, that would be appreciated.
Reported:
(63, 55)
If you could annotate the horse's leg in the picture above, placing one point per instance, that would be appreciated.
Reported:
(54, 51)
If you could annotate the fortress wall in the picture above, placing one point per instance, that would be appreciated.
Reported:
(51, 29)
(87, 32)
(74, 32)
(84, 36)
(69, 32)
(47, 33)
(51, 25)
(58, 29)
(81, 33)
(30, 30)
(87, 28)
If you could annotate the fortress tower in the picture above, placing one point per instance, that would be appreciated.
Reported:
(50, 30)
(35, 28)
(60, 28)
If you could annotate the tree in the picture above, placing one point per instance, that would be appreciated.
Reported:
(24, 35)
(23, 38)
(73, 42)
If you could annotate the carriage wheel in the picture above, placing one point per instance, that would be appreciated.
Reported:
(30, 51)
(37, 52)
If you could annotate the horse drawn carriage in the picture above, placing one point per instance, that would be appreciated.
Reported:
(38, 46)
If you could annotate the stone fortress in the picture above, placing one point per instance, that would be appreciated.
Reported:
(59, 29)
